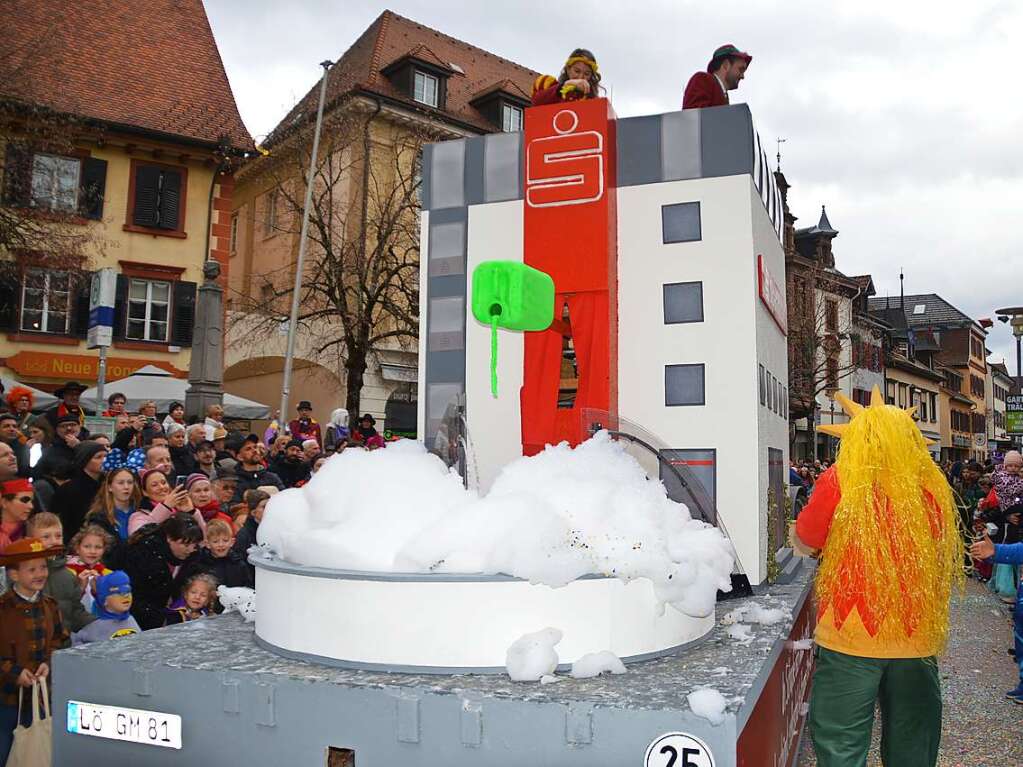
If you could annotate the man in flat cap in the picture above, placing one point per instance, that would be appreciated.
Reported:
(726, 69)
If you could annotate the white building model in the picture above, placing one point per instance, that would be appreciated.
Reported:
(669, 226)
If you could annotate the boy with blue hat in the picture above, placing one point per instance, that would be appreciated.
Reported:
(113, 608)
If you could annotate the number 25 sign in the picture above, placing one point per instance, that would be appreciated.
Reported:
(678, 749)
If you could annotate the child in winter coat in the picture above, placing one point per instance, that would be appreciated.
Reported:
(30, 630)
(113, 611)
(196, 600)
(221, 559)
(62, 584)
(1004, 504)
(579, 79)
(89, 546)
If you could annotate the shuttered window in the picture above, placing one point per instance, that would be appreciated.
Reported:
(148, 310)
(158, 197)
(56, 183)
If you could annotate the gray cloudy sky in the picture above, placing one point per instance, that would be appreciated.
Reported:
(902, 117)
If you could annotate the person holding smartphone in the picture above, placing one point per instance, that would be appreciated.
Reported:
(160, 501)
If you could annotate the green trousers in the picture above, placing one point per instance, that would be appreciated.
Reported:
(845, 690)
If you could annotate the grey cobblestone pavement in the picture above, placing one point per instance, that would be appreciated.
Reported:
(980, 728)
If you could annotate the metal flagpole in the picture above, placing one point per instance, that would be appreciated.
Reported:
(289, 358)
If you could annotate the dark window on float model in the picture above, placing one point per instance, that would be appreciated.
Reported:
(681, 222)
(683, 302)
(157, 198)
(763, 385)
(684, 385)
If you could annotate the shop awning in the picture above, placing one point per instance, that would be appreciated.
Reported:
(156, 384)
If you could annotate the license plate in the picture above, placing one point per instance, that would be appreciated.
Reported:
(133, 725)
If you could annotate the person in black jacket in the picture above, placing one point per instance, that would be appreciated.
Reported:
(72, 500)
(289, 465)
(251, 473)
(66, 437)
(181, 455)
(256, 501)
(158, 559)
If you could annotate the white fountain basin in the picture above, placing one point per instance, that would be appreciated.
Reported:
(453, 623)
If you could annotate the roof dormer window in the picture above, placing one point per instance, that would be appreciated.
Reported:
(511, 118)
(420, 75)
(426, 88)
(503, 104)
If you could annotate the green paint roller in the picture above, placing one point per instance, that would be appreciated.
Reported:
(513, 296)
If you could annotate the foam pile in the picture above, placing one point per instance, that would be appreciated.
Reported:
(549, 518)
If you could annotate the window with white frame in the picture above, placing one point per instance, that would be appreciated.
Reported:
(148, 309)
(511, 118)
(426, 89)
(45, 301)
(270, 212)
(55, 182)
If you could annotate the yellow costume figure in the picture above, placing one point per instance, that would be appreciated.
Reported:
(886, 524)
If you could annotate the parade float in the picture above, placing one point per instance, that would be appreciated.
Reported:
(600, 456)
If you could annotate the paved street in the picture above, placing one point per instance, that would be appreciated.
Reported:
(980, 728)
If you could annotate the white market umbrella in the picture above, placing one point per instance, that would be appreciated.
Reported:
(156, 384)
(41, 400)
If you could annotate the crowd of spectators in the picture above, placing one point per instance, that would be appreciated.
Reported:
(174, 505)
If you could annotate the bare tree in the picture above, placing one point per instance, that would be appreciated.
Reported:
(360, 291)
(819, 331)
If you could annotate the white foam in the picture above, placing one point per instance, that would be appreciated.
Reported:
(709, 704)
(240, 599)
(597, 663)
(549, 518)
(532, 657)
(754, 612)
(740, 632)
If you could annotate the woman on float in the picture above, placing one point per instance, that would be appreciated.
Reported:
(579, 79)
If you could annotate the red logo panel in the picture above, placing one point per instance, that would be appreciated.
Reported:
(571, 233)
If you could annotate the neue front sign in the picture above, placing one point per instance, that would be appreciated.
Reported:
(101, 308)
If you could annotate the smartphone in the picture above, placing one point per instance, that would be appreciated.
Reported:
(181, 481)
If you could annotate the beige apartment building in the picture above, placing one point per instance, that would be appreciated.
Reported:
(399, 86)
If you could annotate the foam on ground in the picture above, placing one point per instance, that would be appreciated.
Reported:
(549, 518)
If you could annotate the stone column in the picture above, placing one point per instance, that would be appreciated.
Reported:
(206, 370)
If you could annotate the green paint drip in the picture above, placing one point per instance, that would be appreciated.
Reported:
(493, 355)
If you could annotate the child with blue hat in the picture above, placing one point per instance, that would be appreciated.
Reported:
(113, 608)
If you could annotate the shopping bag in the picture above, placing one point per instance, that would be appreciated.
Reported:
(32, 744)
(1003, 581)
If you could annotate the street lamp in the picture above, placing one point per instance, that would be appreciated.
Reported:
(1013, 315)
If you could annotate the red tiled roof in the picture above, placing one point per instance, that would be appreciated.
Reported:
(392, 37)
(150, 65)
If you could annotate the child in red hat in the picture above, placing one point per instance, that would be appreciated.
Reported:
(30, 630)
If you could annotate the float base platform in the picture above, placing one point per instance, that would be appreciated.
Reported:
(241, 704)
